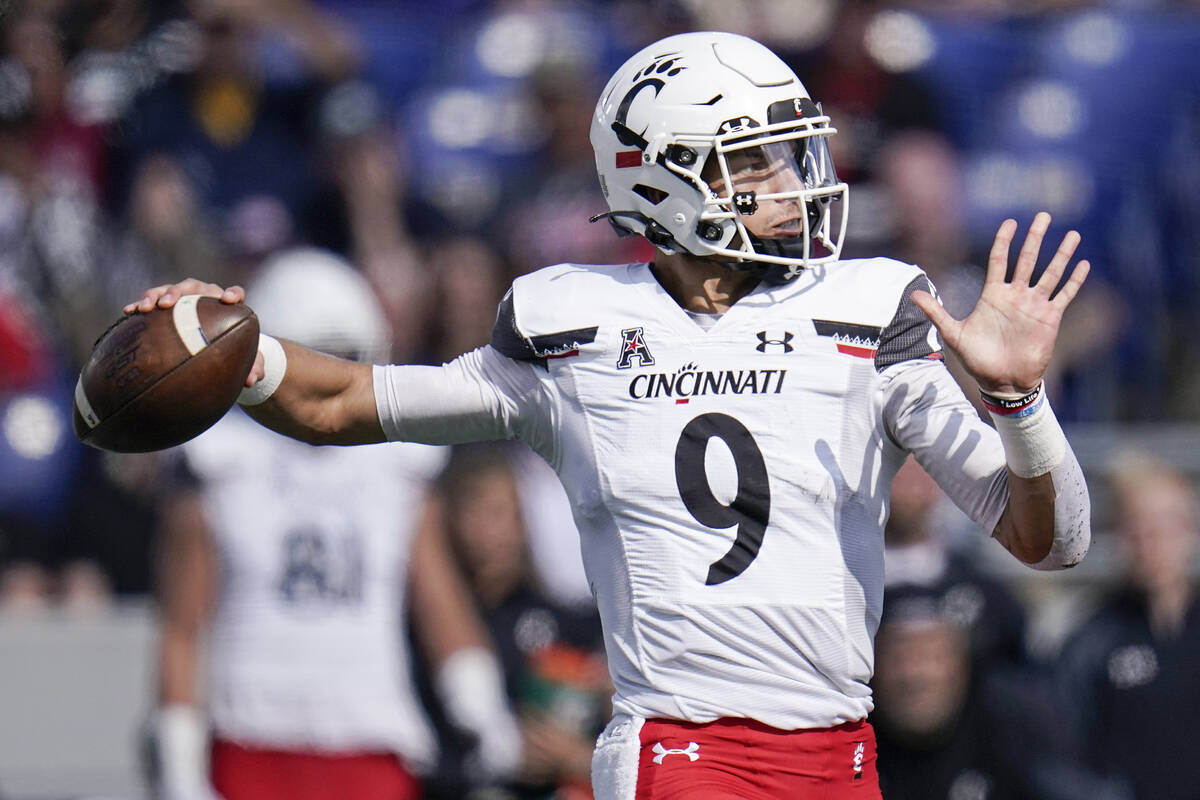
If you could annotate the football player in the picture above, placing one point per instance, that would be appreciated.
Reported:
(297, 565)
(727, 421)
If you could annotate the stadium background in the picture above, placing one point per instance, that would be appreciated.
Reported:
(442, 148)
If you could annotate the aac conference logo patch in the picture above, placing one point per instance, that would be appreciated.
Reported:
(633, 345)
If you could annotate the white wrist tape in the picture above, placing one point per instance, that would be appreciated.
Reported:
(181, 741)
(274, 365)
(1034, 442)
(471, 687)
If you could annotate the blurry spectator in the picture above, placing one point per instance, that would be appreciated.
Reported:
(113, 516)
(922, 558)
(553, 655)
(1127, 678)
(547, 222)
(241, 126)
(62, 147)
(167, 235)
(298, 564)
(942, 736)
(52, 177)
(363, 214)
(470, 281)
(38, 456)
(869, 105)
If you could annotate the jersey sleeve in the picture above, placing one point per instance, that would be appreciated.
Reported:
(909, 335)
(481, 395)
(926, 413)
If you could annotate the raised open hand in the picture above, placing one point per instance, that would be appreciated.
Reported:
(1007, 340)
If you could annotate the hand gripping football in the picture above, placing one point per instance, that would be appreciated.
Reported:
(157, 379)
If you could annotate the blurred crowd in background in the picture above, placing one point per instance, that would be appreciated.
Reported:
(441, 149)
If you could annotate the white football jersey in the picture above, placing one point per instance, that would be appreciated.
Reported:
(307, 646)
(729, 482)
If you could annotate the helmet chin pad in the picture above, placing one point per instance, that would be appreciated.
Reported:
(791, 247)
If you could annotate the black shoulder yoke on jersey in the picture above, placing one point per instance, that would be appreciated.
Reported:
(908, 335)
(509, 340)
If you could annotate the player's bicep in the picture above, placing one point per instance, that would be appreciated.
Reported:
(481, 395)
(927, 414)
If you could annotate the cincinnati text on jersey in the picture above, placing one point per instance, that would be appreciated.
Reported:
(691, 381)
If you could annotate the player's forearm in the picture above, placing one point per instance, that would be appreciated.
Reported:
(178, 666)
(1047, 521)
(320, 400)
(444, 617)
(185, 577)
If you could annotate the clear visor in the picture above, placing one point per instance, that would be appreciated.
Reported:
(777, 186)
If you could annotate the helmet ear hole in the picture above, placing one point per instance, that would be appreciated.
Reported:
(650, 194)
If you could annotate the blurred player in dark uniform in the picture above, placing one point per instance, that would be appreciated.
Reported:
(1127, 678)
(922, 560)
(727, 420)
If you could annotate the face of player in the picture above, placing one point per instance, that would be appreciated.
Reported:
(765, 170)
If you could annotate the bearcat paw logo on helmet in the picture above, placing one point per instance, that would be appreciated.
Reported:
(662, 65)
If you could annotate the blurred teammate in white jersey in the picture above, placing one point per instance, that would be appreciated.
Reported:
(727, 420)
(296, 566)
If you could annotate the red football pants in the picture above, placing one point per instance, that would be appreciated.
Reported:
(245, 773)
(743, 759)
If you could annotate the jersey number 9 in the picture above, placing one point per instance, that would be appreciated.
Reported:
(750, 509)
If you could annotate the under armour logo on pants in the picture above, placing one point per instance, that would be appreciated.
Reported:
(663, 752)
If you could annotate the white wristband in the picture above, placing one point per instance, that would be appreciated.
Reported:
(471, 687)
(1034, 442)
(274, 367)
(470, 684)
(181, 741)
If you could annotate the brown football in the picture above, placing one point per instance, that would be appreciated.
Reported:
(157, 379)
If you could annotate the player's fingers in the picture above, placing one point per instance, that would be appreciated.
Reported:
(938, 315)
(186, 287)
(1054, 270)
(997, 266)
(1071, 288)
(1027, 258)
(147, 301)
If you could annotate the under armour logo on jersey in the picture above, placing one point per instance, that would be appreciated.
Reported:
(662, 752)
(860, 754)
(633, 345)
(764, 342)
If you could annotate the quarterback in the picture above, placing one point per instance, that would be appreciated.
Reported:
(727, 421)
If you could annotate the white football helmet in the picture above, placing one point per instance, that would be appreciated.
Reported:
(320, 300)
(675, 132)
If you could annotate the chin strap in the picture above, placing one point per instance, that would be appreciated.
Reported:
(655, 233)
